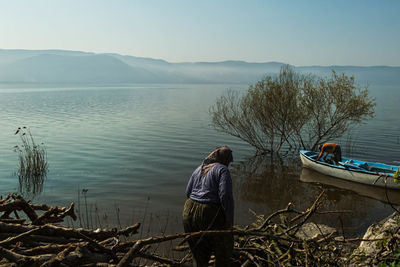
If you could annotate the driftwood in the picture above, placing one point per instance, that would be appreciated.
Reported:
(271, 241)
(37, 241)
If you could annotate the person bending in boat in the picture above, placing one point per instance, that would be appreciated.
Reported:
(330, 148)
(209, 206)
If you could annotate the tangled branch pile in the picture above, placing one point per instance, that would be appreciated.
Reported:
(273, 241)
(40, 242)
(277, 241)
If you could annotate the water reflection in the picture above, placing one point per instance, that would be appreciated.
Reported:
(31, 186)
(378, 193)
(263, 179)
(32, 163)
(266, 185)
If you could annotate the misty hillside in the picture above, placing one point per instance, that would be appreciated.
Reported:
(59, 66)
(67, 68)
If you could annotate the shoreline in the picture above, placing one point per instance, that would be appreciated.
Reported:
(284, 230)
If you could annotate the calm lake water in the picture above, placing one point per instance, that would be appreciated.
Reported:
(134, 147)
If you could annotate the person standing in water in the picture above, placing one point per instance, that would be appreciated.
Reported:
(210, 206)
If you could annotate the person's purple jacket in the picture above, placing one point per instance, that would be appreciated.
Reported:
(214, 187)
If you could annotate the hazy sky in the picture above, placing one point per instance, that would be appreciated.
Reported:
(318, 32)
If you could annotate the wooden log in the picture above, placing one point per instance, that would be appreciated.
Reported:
(6, 215)
(49, 249)
(50, 239)
(307, 214)
(100, 247)
(132, 253)
(82, 255)
(61, 231)
(251, 258)
(16, 221)
(6, 198)
(288, 208)
(12, 256)
(57, 259)
(52, 214)
(22, 260)
(12, 240)
(246, 263)
(186, 236)
(19, 204)
(97, 264)
(73, 254)
(56, 214)
(129, 230)
(156, 258)
(112, 241)
(138, 244)
(39, 238)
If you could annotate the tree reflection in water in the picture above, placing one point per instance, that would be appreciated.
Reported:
(31, 187)
(265, 184)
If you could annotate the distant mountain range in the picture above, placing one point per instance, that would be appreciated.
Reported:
(60, 66)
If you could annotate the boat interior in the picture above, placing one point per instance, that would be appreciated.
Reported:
(356, 164)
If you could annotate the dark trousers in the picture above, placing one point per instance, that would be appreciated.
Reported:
(337, 154)
(207, 216)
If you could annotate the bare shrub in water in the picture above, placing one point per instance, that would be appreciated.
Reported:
(333, 106)
(292, 109)
(32, 162)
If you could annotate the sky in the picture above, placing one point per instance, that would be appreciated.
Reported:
(301, 33)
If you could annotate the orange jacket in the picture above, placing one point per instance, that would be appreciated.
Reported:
(328, 148)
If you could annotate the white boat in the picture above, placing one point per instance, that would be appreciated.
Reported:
(371, 173)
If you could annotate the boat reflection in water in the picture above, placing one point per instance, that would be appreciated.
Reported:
(375, 192)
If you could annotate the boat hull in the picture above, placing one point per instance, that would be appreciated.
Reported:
(355, 175)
